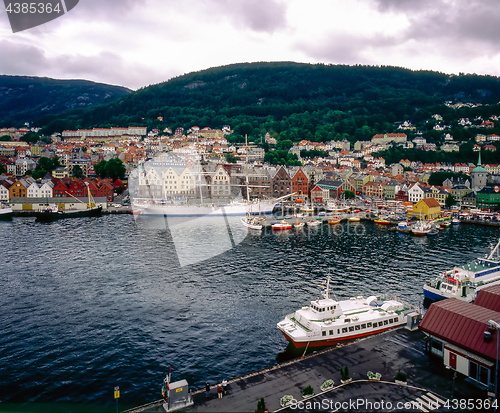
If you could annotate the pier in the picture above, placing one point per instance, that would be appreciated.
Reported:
(386, 353)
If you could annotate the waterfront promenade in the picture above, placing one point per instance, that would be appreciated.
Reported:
(386, 353)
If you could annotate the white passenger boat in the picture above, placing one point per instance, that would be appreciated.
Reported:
(464, 282)
(327, 321)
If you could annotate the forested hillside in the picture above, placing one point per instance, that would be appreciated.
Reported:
(295, 101)
(26, 99)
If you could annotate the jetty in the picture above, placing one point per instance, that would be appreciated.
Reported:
(429, 384)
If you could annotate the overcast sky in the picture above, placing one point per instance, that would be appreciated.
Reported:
(135, 43)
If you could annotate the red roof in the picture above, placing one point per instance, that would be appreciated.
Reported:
(489, 297)
(463, 325)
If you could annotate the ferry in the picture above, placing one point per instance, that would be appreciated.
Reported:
(327, 322)
(464, 282)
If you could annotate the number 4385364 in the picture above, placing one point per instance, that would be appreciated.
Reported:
(33, 8)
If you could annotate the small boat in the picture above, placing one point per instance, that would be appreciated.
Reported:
(5, 213)
(322, 214)
(382, 221)
(298, 225)
(433, 232)
(313, 223)
(334, 220)
(446, 224)
(281, 226)
(402, 225)
(327, 322)
(354, 219)
(251, 223)
(455, 221)
(421, 228)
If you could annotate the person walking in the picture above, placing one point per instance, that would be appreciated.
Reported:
(207, 390)
(224, 386)
(219, 391)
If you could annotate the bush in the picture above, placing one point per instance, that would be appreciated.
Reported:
(400, 376)
(308, 391)
(344, 373)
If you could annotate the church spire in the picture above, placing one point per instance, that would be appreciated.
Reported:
(479, 159)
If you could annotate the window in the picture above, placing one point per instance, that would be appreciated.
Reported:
(363, 325)
(390, 320)
(351, 328)
(380, 323)
(386, 322)
(331, 332)
(357, 327)
(323, 333)
(368, 325)
(344, 330)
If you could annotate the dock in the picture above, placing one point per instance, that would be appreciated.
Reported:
(385, 353)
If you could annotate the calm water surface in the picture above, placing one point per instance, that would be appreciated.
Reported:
(93, 303)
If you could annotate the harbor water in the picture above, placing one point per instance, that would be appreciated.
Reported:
(93, 303)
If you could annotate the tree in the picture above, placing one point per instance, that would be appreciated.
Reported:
(77, 172)
(100, 168)
(449, 201)
(230, 158)
(30, 137)
(115, 169)
(3, 168)
(349, 194)
(5, 138)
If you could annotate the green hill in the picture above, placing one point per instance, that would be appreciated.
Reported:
(293, 101)
(26, 99)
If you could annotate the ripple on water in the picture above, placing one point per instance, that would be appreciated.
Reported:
(94, 303)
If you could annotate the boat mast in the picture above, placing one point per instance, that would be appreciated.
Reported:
(494, 251)
(246, 167)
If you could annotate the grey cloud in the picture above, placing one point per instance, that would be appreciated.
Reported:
(257, 15)
(105, 67)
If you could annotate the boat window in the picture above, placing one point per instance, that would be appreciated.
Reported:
(363, 325)
(357, 327)
(331, 332)
(347, 320)
(323, 333)
(390, 320)
(395, 320)
(344, 330)
(368, 325)
(380, 323)
(351, 328)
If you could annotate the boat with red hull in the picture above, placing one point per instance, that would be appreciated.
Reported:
(327, 322)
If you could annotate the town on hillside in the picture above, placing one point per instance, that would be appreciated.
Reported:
(73, 163)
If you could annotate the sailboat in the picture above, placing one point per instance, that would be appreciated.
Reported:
(53, 212)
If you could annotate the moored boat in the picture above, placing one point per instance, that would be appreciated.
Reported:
(251, 223)
(281, 226)
(382, 221)
(334, 220)
(326, 322)
(298, 225)
(314, 223)
(455, 221)
(421, 228)
(5, 213)
(464, 282)
(53, 213)
(354, 219)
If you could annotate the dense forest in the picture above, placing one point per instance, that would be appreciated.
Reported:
(26, 99)
(294, 101)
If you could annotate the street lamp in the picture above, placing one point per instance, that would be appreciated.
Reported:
(495, 325)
